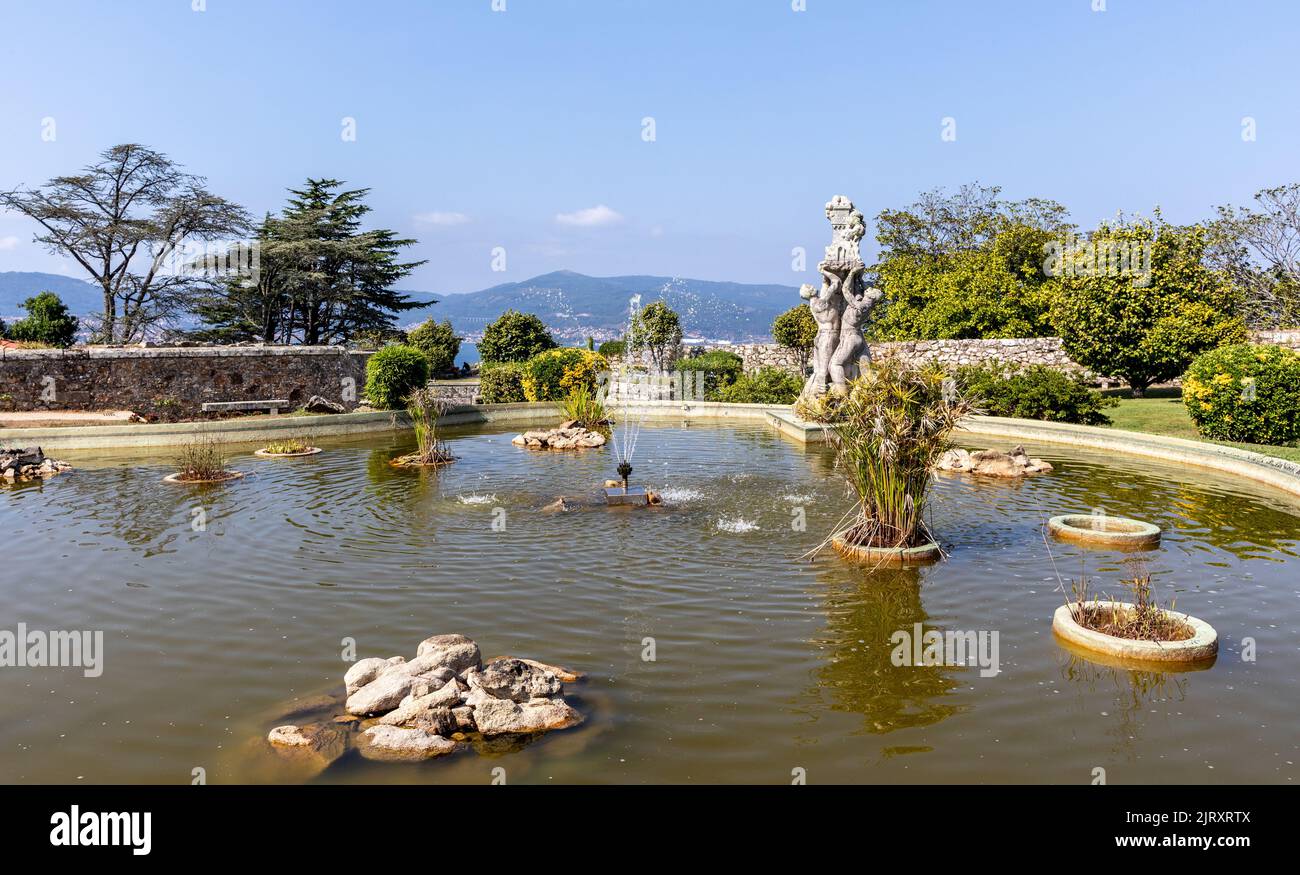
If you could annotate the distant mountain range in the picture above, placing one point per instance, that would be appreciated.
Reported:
(17, 286)
(573, 305)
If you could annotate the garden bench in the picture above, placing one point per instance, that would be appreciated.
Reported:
(274, 405)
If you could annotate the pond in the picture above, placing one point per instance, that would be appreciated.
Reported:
(764, 663)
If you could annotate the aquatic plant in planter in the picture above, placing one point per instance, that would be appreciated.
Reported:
(1132, 632)
(202, 460)
(888, 430)
(424, 407)
(287, 448)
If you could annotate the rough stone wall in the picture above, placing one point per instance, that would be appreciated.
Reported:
(756, 355)
(174, 382)
(1015, 351)
(1289, 338)
(460, 392)
(1019, 351)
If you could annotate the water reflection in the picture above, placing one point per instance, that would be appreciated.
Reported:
(863, 610)
(1134, 693)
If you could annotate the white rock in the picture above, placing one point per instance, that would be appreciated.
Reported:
(381, 695)
(455, 652)
(395, 744)
(362, 672)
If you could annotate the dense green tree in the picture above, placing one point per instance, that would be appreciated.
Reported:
(438, 342)
(612, 348)
(715, 370)
(1144, 325)
(48, 322)
(766, 385)
(515, 337)
(656, 330)
(967, 265)
(796, 330)
(321, 278)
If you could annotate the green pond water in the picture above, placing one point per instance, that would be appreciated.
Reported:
(765, 663)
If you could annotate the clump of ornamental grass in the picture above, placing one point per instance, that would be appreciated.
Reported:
(584, 409)
(202, 458)
(817, 408)
(424, 407)
(888, 430)
(287, 447)
(1142, 619)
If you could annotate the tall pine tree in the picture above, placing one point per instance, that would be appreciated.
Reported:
(321, 278)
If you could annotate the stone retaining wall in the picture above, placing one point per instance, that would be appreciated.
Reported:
(1289, 338)
(1016, 351)
(173, 382)
(459, 392)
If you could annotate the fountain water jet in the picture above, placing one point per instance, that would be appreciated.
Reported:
(627, 428)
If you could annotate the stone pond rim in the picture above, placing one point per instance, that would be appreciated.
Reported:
(1197, 651)
(1106, 531)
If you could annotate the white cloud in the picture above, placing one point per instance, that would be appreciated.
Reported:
(8, 243)
(591, 217)
(442, 220)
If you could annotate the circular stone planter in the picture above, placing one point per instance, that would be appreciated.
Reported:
(888, 556)
(1196, 651)
(175, 478)
(310, 451)
(1106, 531)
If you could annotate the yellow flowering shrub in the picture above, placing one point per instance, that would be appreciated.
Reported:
(1246, 392)
(552, 375)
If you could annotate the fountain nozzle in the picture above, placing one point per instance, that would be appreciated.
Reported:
(624, 471)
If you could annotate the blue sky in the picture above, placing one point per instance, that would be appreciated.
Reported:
(523, 129)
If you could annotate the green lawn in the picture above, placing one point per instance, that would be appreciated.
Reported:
(1162, 412)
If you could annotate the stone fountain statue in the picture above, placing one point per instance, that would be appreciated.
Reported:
(842, 306)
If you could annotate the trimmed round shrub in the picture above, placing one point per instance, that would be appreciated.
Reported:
(612, 348)
(552, 375)
(1249, 393)
(767, 385)
(501, 383)
(1034, 392)
(438, 342)
(796, 330)
(514, 337)
(718, 368)
(392, 373)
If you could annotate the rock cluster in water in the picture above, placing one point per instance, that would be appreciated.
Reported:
(400, 711)
(569, 436)
(29, 464)
(993, 463)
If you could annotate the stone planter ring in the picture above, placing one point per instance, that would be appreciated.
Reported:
(1197, 651)
(892, 557)
(310, 451)
(1105, 531)
(229, 475)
